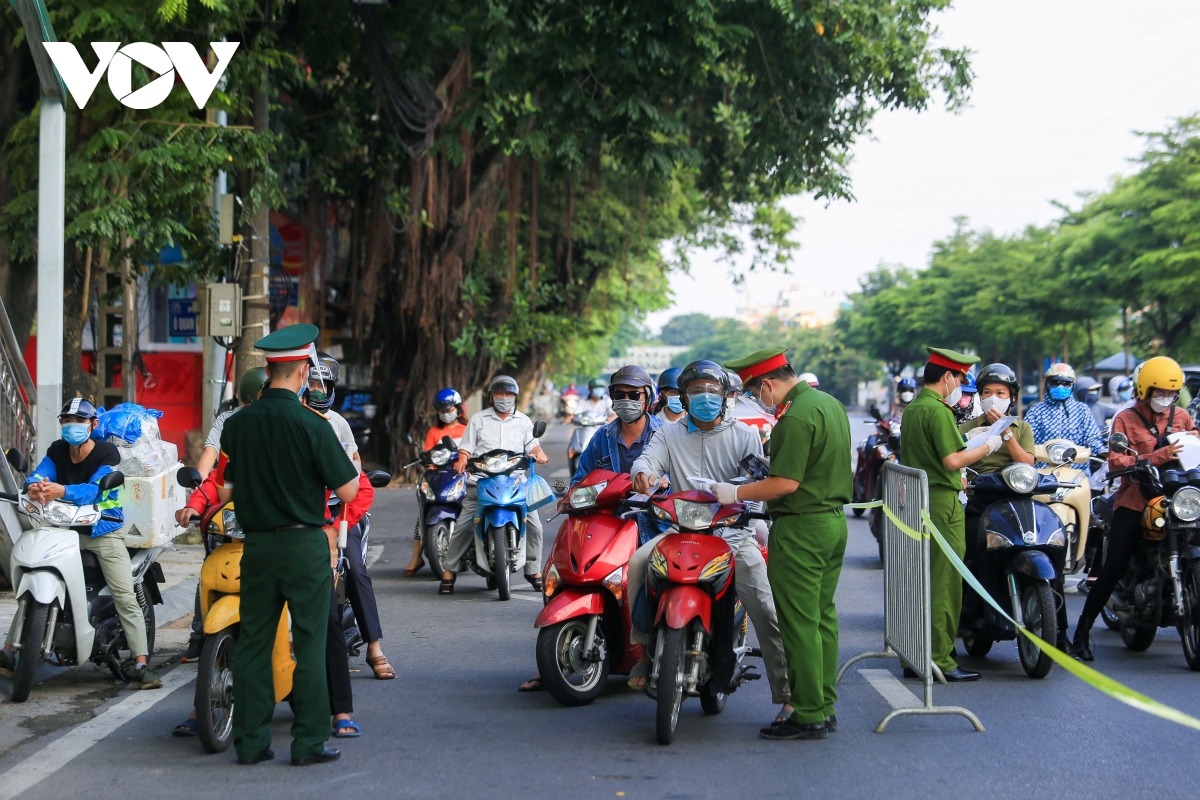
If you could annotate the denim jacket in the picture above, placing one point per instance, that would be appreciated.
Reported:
(603, 451)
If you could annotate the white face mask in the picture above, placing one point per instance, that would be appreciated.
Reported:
(998, 403)
(906, 397)
(763, 396)
(448, 416)
(1160, 404)
(504, 405)
(954, 396)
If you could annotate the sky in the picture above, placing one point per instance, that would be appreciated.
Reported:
(1060, 88)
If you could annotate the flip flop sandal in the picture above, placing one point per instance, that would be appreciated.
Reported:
(535, 581)
(189, 727)
(446, 586)
(639, 671)
(410, 571)
(380, 664)
(339, 726)
(541, 685)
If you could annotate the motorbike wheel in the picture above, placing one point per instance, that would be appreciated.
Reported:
(559, 660)
(1189, 626)
(499, 537)
(1041, 617)
(670, 684)
(978, 648)
(214, 691)
(436, 540)
(1110, 617)
(1136, 639)
(33, 639)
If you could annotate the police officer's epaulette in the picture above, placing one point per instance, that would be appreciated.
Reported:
(314, 411)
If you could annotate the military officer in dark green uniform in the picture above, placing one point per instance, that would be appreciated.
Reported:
(809, 483)
(282, 457)
(931, 442)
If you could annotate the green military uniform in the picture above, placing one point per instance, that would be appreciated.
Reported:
(1000, 459)
(930, 434)
(282, 457)
(810, 444)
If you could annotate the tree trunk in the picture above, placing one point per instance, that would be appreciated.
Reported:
(256, 321)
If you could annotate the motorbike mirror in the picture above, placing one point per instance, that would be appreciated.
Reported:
(111, 481)
(876, 414)
(408, 439)
(17, 460)
(559, 486)
(1118, 442)
(378, 478)
(188, 477)
(539, 428)
(449, 444)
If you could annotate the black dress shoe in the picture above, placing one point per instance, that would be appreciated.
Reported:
(265, 755)
(831, 723)
(1083, 646)
(959, 675)
(789, 729)
(324, 757)
(1065, 645)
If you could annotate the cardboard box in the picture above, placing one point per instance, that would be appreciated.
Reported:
(150, 505)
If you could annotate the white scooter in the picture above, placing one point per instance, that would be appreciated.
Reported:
(65, 611)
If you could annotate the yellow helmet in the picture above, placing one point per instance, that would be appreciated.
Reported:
(1159, 372)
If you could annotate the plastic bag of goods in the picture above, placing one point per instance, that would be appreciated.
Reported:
(126, 422)
(537, 493)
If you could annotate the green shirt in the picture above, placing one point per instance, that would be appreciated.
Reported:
(999, 459)
(282, 457)
(929, 435)
(811, 444)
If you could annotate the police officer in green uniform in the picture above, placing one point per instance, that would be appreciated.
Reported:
(282, 457)
(931, 442)
(808, 485)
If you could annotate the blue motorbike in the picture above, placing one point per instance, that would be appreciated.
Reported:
(439, 494)
(1021, 550)
(504, 501)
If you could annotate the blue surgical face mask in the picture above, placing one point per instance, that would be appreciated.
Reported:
(597, 393)
(705, 407)
(675, 403)
(75, 433)
(1125, 394)
(1059, 393)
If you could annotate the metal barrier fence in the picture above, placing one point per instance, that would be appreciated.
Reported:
(17, 394)
(906, 612)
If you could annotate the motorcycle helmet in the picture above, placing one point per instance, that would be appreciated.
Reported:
(669, 378)
(1001, 374)
(503, 383)
(1085, 385)
(251, 384)
(968, 386)
(1060, 372)
(735, 383)
(1154, 519)
(446, 399)
(78, 407)
(1159, 372)
(702, 370)
(906, 390)
(809, 378)
(326, 371)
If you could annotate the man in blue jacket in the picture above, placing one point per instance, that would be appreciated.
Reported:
(71, 472)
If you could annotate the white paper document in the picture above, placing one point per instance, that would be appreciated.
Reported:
(997, 428)
(1190, 455)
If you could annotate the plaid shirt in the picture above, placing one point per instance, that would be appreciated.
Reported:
(1069, 419)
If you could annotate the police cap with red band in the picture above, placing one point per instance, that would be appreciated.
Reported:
(293, 343)
(759, 363)
(950, 359)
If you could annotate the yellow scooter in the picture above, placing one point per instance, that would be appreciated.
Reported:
(1063, 459)
(220, 607)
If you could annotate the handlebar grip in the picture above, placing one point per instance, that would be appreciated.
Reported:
(110, 518)
(343, 534)
(12, 498)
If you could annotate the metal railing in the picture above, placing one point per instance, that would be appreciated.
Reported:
(907, 628)
(19, 398)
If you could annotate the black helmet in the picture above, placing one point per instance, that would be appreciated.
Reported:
(632, 375)
(78, 407)
(998, 373)
(326, 371)
(735, 382)
(703, 370)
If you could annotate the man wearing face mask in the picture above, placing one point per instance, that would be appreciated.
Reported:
(709, 445)
(1147, 424)
(1061, 416)
(808, 485)
(931, 442)
(597, 401)
(620, 442)
(500, 427)
(669, 406)
(906, 392)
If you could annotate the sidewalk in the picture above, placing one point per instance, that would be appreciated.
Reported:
(67, 696)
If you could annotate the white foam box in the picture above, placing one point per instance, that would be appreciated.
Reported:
(150, 505)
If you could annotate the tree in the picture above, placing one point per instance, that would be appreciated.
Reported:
(687, 329)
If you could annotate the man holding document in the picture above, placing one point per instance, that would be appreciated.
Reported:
(931, 442)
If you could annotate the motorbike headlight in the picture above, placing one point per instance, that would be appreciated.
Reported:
(87, 519)
(440, 456)
(658, 562)
(585, 496)
(612, 582)
(883, 451)
(425, 490)
(57, 513)
(457, 491)
(233, 528)
(693, 515)
(1185, 505)
(1021, 478)
(1060, 453)
(995, 540)
(497, 465)
(552, 581)
(662, 513)
(1058, 539)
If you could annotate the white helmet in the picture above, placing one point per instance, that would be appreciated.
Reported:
(809, 378)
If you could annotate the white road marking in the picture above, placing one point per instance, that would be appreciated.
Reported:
(56, 755)
(516, 596)
(374, 551)
(888, 685)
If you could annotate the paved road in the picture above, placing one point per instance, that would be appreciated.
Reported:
(453, 724)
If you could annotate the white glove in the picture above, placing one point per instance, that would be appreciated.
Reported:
(726, 492)
(994, 443)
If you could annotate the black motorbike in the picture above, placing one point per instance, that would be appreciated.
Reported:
(873, 452)
(1161, 589)
(440, 493)
(1022, 546)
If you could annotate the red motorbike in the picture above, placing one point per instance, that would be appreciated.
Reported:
(699, 625)
(584, 628)
(881, 446)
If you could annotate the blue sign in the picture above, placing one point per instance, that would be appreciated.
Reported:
(181, 316)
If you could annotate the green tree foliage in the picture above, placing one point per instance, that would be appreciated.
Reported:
(687, 329)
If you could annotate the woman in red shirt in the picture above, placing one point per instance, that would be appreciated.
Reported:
(452, 422)
(1146, 424)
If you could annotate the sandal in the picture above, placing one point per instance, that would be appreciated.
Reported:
(536, 582)
(189, 727)
(447, 586)
(783, 717)
(382, 669)
(640, 670)
(534, 684)
(410, 571)
(339, 727)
